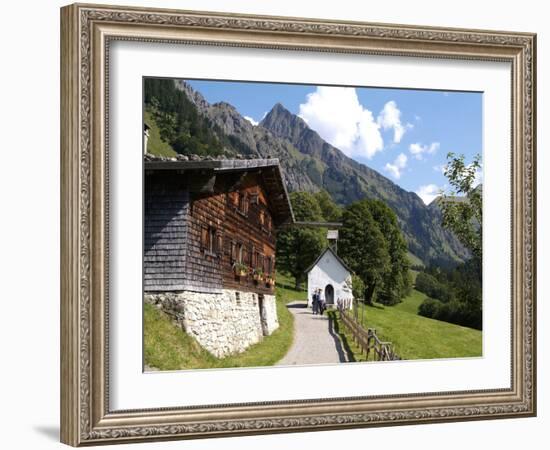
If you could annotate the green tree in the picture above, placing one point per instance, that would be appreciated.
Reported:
(363, 246)
(433, 288)
(397, 280)
(330, 211)
(372, 244)
(298, 247)
(179, 122)
(462, 210)
(358, 287)
(464, 215)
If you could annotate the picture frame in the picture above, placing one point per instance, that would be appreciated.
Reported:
(87, 31)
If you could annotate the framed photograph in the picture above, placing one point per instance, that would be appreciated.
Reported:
(278, 224)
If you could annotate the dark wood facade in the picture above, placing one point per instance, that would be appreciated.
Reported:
(202, 224)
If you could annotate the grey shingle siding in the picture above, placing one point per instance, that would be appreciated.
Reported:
(165, 235)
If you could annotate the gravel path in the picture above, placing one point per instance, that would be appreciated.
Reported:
(315, 341)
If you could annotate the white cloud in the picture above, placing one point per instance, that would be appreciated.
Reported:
(396, 169)
(336, 114)
(428, 193)
(251, 120)
(478, 177)
(390, 118)
(417, 149)
(440, 168)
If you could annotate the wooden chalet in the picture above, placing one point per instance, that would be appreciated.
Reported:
(211, 225)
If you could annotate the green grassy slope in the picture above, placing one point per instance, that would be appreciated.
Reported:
(411, 303)
(155, 144)
(167, 347)
(417, 337)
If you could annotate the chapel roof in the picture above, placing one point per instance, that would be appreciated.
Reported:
(329, 249)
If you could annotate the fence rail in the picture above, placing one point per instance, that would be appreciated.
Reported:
(367, 340)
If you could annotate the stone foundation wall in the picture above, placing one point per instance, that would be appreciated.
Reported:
(223, 323)
(271, 321)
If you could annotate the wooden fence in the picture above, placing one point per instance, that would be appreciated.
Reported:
(367, 340)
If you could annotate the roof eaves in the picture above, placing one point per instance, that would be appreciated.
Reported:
(340, 260)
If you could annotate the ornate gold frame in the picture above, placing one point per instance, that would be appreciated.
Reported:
(86, 31)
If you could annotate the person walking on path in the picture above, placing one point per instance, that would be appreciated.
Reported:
(315, 302)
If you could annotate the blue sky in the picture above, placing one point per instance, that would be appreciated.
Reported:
(404, 134)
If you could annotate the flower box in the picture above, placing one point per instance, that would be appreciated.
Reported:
(240, 270)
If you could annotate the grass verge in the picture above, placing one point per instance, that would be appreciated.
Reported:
(168, 347)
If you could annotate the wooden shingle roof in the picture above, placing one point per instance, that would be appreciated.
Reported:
(210, 170)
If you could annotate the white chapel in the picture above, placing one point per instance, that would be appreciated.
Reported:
(330, 274)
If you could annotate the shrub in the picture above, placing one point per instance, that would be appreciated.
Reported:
(454, 311)
(388, 297)
(430, 286)
(429, 308)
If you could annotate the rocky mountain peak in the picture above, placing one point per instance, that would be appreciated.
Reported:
(281, 122)
(225, 106)
(195, 96)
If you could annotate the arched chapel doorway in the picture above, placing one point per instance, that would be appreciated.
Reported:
(329, 294)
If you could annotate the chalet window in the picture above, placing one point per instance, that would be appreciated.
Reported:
(262, 218)
(259, 261)
(268, 223)
(240, 252)
(211, 241)
(243, 203)
(204, 238)
(234, 199)
(269, 265)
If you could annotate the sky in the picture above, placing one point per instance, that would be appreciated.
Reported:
(404, 134)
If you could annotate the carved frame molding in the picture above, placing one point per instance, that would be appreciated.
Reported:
(86, 31)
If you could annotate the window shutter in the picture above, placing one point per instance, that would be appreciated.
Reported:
(233, 251)
(204, 237)
(240, 252)
(219, 244)
(245, 255)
